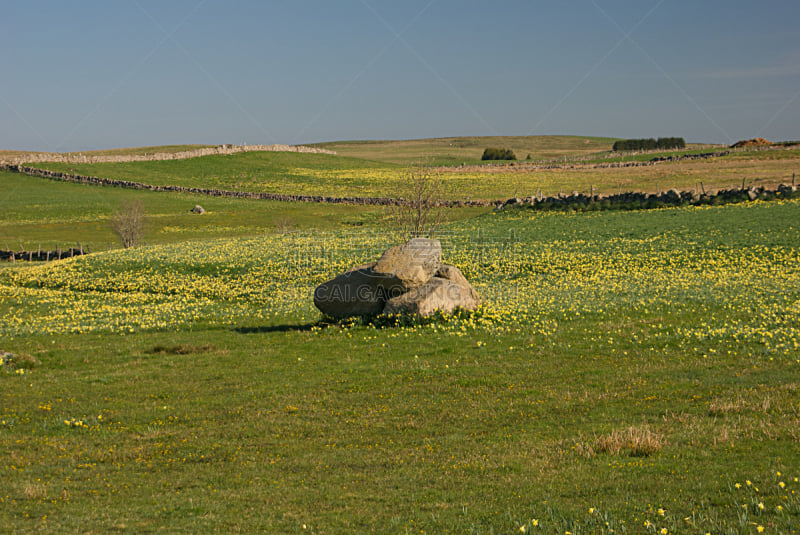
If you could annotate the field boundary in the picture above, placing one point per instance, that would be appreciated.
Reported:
(158, 156)
(127, 184)
(43, 256)
(575, 200)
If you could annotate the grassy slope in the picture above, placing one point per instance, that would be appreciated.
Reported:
(341, 176)
(457, 150)
(647, 319)
(277, 172)
(43, 212)
(36, 211)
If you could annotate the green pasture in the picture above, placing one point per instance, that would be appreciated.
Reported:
(458, 150)
(38, 212)
(345, 176)
(628, 372)
(277, 172)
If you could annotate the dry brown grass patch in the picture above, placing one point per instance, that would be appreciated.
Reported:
(35, 491)
(639, 441)
(722, 407)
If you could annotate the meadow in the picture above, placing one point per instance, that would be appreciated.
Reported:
(344, 176)
(460, 150)
(627, 372)
(36, 212)
(192, 387)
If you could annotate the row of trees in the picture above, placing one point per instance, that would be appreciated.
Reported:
(662, 143)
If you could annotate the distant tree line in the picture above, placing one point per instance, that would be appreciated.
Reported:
(498, 154)
(662, 143)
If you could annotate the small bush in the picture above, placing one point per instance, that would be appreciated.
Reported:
(498, 154)
(420, 211)
(129, 223)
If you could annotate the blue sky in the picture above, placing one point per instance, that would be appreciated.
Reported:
(81, 75)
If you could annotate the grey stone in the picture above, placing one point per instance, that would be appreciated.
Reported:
(437, 295)
(453, 274)
(357, 292)
(413, 262)
(409, 278)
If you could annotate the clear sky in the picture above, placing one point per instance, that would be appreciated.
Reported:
(92, 74)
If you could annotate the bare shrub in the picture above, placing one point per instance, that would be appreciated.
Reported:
(638, 439)
(284, 225)
(420, 210)
(129, 223)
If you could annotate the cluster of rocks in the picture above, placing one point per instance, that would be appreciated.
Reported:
(409, 278)
(684, 157)
(158, 156)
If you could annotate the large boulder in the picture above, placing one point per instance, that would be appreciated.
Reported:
(437, 295)
(453, 274)
(413, 263)
(409, 278)
(359, 291)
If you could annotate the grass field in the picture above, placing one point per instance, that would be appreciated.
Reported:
(36, 212)
(458, 150)
(343, 176)
(43, 212)
(635, 372)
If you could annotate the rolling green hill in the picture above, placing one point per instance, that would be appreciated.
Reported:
(458, 150)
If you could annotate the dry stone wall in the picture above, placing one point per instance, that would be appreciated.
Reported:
(158, 156)
(576, 200)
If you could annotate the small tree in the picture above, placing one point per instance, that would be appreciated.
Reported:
(419, 210)
(492, 153)
(129, 223)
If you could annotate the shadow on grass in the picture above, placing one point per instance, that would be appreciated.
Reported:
(380, 321)
(286, 328)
